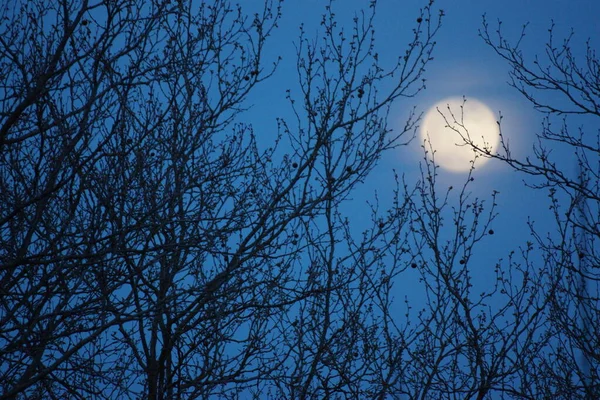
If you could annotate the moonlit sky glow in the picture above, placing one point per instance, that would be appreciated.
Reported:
(448, 121)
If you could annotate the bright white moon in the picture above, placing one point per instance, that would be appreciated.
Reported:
(471, 119)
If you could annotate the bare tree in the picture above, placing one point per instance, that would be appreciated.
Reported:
(468, 340)
(565, 362)
(151, 247)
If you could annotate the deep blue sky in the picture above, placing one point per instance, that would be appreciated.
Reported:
(463, 65)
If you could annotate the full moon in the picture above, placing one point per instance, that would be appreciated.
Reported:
(472, 119)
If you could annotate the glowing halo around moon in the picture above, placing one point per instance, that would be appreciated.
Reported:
(474, 120)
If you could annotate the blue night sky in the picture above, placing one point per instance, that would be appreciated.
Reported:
(463, 66)
(178, 251)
